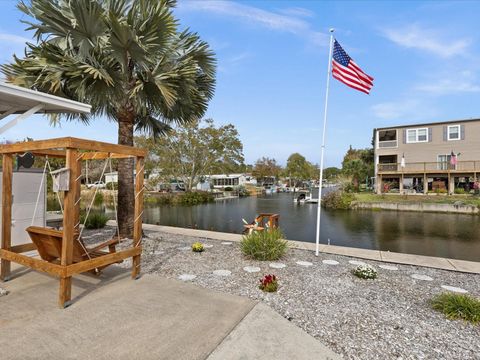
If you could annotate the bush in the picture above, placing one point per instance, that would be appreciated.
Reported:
(337, 200)
(228, 188)
(98, 199)
(458, 306)
(95, 220)
(242, 191)
(459, 191)
(268, 283)
(264, 245)
(112, 186)
(365, 272)
(194, 198)
(197, 247)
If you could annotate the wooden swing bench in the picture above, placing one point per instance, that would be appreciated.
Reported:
(62, 253)
(49, 246)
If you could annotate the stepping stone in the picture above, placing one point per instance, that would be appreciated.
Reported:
(277, 265)
(356, 262)
(330, 262)
(184, 248)
(251, 269)
(226, 243)
(187, 277)
(388, 267)
(421, 277)
(304, 263)
(454, 289)
(207, 246)
(222, 272)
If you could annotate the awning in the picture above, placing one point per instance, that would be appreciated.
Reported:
(26, 102)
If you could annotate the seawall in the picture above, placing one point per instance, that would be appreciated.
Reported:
(420, 207)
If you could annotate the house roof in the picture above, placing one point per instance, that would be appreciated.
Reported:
(427, 124)
(17, 100)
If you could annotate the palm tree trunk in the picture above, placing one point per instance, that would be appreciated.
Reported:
(126, 194)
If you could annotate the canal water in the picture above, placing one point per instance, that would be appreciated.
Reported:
(445, 235)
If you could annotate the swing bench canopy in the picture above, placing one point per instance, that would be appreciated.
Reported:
(62, 253)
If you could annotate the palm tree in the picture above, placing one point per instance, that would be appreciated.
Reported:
(127, 59)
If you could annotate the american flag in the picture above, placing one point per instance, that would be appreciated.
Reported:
(345, 70)
(453, 159)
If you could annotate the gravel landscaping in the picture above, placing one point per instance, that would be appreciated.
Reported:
(386, 318)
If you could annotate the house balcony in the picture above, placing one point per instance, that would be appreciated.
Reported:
(429, 167)
(387, 144)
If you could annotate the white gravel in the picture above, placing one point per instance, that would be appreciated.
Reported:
(386, 318)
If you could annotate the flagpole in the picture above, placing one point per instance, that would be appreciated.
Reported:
(319, 205)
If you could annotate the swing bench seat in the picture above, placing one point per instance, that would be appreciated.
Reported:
(49, 245)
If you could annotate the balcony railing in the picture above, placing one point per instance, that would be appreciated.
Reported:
(429, 167)
(387, 144)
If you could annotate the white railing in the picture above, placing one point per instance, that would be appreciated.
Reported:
(388, 144)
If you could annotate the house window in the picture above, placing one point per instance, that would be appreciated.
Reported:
(444, 162)
(417, 135)
(454, 132)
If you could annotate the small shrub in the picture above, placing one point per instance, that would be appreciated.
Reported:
(193, 198)
(197, 247)
(264, 245)
(365, 272)
(459, 191)
(228, 188)
(242, 191)
(98, 199)
(268, 283)
(95, 220)
(458, 306)
(112, 186)
(337, 200)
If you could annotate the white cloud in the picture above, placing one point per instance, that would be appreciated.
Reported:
(406, 109)
(450, 83)
(13, 39)
(287, 22)
(297, 11)
(429, 40)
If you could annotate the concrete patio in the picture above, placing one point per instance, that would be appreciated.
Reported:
(114, 317)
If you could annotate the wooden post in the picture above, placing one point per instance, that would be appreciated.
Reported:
(6, 213)
(137, 221)
(69, 222)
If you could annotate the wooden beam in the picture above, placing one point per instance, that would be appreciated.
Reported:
(70, 142)
(137, 220)
(32, 146)
(98, 155)
(100, 261)
(7, 166)
(50, 153)
(23, 248)
(70, 219)
(105, 147)
(35, 264)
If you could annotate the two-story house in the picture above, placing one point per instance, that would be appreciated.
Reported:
(430, 157)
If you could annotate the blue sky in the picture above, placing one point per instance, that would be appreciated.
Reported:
(272, 62)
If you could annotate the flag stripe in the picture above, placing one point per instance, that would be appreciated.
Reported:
(349, 74)
(350, 84)
(360, 72)
(350, 80)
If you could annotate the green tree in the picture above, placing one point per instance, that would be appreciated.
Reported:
(331, 173)
(194, 150)
(298, 168)
(266, 168)
(127, 59)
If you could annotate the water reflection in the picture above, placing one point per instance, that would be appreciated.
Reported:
(445, 235)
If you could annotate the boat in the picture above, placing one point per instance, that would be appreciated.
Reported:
(305, 197)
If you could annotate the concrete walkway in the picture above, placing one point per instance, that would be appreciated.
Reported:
(114, 317)
(377, 255)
